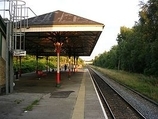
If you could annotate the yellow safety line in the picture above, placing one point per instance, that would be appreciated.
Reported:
(78, 112)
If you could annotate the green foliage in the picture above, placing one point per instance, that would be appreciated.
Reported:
(137, 49)
(30, 64)
(145, 85)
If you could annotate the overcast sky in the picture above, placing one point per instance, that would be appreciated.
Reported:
(112, 13)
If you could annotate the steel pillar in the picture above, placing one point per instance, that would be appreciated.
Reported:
(58, 48)
(20, 66)
(58, 69)
(69, 72)
(74, 66)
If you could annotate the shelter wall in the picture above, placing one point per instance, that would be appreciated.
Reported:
(2, 54)
(2, 72)
(2, 60)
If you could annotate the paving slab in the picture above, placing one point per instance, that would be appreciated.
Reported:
(74, 99)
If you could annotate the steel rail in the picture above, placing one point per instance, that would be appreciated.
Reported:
(93, 71)
(103, 97)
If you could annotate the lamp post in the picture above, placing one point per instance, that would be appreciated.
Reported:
(58, 46)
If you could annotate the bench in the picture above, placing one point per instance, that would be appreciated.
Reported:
(40, 73)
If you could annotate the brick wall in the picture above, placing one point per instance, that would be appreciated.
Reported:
(2, 72)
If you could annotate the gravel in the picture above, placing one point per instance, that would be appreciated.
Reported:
(148, 109)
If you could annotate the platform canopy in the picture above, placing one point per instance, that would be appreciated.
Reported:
(78, 35)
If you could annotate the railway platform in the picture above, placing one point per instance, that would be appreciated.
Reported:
(76, 98)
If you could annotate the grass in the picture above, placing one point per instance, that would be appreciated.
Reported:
(30, 107)
(145, 85)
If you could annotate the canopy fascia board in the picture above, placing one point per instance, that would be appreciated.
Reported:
(61, 28)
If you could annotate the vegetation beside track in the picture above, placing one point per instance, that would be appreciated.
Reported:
(145, 85)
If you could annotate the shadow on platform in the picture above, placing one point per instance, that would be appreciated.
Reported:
(30, 83)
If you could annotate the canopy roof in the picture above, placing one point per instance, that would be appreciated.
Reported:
(78, 35)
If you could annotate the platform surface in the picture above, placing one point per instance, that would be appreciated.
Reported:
(76, 98)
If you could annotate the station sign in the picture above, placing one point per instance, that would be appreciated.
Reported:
(19, 53)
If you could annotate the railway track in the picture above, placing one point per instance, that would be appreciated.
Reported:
(115, 105)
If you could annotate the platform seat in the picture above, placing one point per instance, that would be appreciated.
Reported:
(40, 73)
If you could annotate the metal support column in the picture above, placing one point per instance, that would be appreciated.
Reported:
(12, 84)
(20, 66)
(69, 72)
(7, 58)
(74, 66)
(58, 48)
(15, 38)
(76, 63)
(37, 63)
(58, 69)
(47, 64)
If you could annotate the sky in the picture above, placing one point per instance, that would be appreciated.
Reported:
(112, 13)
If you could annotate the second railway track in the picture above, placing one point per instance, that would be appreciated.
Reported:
(115, 106)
